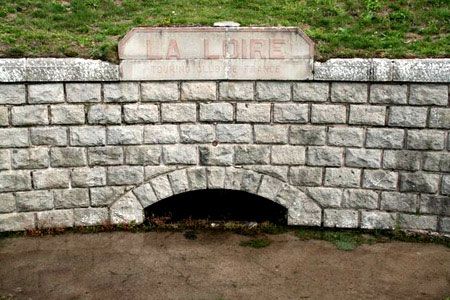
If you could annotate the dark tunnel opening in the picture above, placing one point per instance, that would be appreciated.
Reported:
(218, 205)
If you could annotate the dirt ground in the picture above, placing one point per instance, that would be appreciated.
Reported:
(123, 265)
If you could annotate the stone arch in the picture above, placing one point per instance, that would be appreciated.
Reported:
(129, 207)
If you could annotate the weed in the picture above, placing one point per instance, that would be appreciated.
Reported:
(256, 243)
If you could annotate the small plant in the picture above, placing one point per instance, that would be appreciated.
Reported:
(343, 240)
(256, 243)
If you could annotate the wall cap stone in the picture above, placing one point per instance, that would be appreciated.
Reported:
(337, 69)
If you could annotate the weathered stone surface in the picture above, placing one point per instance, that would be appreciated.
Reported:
(385, 138)
(324, 156)
(67, 114)
(179, 181)
(444, 225)
(104, 196)
(12, 181)
(233, 178)
(4, 116)
(423, 94)
(407, 116)
(198, 91)
(236, 91)
(216, 112)
(145, 195)
(307, 135)
(234, 133)
(273, 91)
(342, 177)
(288, 155)
(29, 115)
(71, 198)
(180, 154)
(143, 155)
(328, 114)
(55, 218)
(45, 93)
(339, 69)
(290, 113)
(125, 135)
(402, 202)
(378, 220)
(68, 157)
(83, 92)
(367, 115)
(126, 210)
(421, 70)
(440, 117)
(360, 199)
(34, 200)
(16, 221)
(271, 134)
(125, 175)
(196, 133)
(105, 156)
(197, 178)
(436, 161)
(269, 187)
(90, 216)
(419, 182)
(161, 186)
(88, 136)
(388, 94)
(7, 202)
(342, 218)
(160, 91)
(105, 114)
(5, 160)
(179, 112)
(435, 204)
(346, 136)
(221, 155)
(310, 91)
(140, 113)
(52, 136)
(418, 222)
(13, 94)
(326, 197)
(253, 113)
(305, 176)
(252, 154)
(401, 160)
(121, 92)
(363, 158)
(153, 171)
(216, 177)
(51, 179)
(426, 139)
(88, 177)
(34, 158)
(161, 134)
(349, 92)
(380, 180)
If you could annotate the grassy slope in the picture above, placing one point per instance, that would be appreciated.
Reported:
(345, 28)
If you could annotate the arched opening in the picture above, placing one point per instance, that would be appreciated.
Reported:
(218, 205)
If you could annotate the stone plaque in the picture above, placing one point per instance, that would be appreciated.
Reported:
(195, 53)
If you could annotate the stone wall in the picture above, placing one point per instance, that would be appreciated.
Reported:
(359, 153)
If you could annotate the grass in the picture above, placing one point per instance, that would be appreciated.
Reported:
(256, 243)
(340, 28)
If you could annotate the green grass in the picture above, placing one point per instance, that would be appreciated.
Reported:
(345, 28)
(256, 243)
(343, 240)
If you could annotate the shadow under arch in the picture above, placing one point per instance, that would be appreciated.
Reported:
(301, 210)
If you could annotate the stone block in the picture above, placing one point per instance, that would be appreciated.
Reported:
(29, 115)
(388, 93)
(273, 91)
(126, 210)
(14, 137)
(83, 92)
(252, 154)
(254, 113)
(216, 177)
(307, 135)
(342, 177)
(161, 186)
(34, 200)
(445, 188)
(436, 161)
(216, 112)
(7, 203)
(349, 92)
(105, 114)
(342, 69)
(367, 115)
(104, 196)
(140, 113)
(324, 156)
(88, 136)
(419, 182)
(161, 134)
(90, 216)
(440, 117)
(178, 112)
(67, 114)
(326, 197)
(143, 155)
(180, 154)
(346, 136)
(197, 179)
(4, 116)
(5, 160)
(68, 157)
(310, 91)
(290, 113)
(125, 175)
(12, 94)
(160, 91)
(444, 225)
(236, 91)
(435, 204)
(288, 155)
(233, 178)
(125, 135)
(145, 194)
(33, 158)
(179, 181)
(426, 139)
(360, 199)
(16, 221)
(305, 176)
(71, 198)
(121, 92)
(271, 134)
(418, 222)
(402, 160)
(251, 181)
(407, 116)
(88, 177)
(45, 93)
(378, 220)
(51, 179)
(234, 133)
(380, 180)
(328, 114)
(12, 181)
(196, 133)
(105, 156)
(51, 136)
(341, 218)
(199, 91)
(222, 155)
(363, 158)
(401, 202)
(428, 94)
(385, 138)
(55, 218)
